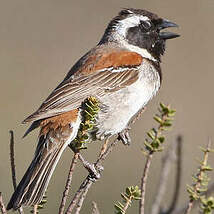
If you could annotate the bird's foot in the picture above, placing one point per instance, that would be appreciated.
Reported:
(124, 136)
(94, 171)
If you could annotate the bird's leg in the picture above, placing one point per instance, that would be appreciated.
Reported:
(104, 147)
(94, 172)
(124, 136)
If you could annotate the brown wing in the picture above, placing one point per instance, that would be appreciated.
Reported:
(96, 76)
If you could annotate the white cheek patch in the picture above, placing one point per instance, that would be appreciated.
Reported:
(143, 52)
(131, 21)
(122, 28)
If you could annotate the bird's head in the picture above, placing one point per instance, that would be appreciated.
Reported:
(140, 30)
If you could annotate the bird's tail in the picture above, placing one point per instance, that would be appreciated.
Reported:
(35, 181)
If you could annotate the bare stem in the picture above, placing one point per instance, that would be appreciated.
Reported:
(95, 209)
(68, 183)
(13, 166)
(12, 159)
(127, 204)
(182, 209)
(199, 176)
(173, 204)
(35, 209)
(86, 184)
(81, 199)
(167, 162)
(144, 181)
(2, 207)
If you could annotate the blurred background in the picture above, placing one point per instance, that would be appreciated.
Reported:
(41, 40)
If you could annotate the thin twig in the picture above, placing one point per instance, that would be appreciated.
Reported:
(12, 159)
(2, 207)
(127, 204)
(104, 147)
(81, 200)
(86, 184)
(103, 156)
(173, 204)
(143, 182)
(35, 209)
(166, 167)
(68, 183)
(13, 166)
(182, 209)
(95, 209)
(198, 183)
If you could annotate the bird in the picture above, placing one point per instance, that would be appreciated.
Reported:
(122, 72)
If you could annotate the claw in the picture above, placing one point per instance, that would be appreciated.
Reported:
(124, 136)
(94, 171)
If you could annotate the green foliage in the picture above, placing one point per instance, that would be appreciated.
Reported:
(131, 193)
(207, 205)
(90, 110)
(201, 180)
(155, 138)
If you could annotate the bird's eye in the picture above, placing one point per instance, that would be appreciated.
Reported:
(145, 25)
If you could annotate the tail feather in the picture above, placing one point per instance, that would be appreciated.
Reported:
(41, 186)
(35, 181)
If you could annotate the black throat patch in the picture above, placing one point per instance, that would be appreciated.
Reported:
(147, 40)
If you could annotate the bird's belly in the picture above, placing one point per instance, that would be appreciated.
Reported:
(123, 104)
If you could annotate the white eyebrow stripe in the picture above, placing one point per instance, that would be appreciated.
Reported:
(130, 21)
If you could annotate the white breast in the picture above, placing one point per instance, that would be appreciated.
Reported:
(125, 103)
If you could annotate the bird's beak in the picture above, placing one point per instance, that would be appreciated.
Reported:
(167, 35)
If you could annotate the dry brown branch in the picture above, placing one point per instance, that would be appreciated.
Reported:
(12, 159)
(81, 200)
(86, 184)
(173, 204)
(127, 205)
(166, 167)
(197, 185)
(182, 209)
(68, 183)
(35, 209)
(95, 209)
(143, 182)
(12, 163)
(104, 147)
(2, 207)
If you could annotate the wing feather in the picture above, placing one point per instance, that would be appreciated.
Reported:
(82, 84)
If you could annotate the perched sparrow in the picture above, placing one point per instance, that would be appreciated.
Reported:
(123, 72)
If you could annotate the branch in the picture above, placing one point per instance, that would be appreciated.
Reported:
(13, 167)
(95, 208)
(182, 209)
(12, 159)
(2, 207)
(86, 184)
(166, 167)
(35, 209)
(154, 144)
(196, 190)
(144, 181)
(178, 176)
(81, 199)
(68, 183)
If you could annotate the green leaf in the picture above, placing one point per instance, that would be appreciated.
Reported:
(158, 119)
(161, 139)
(151, 134)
